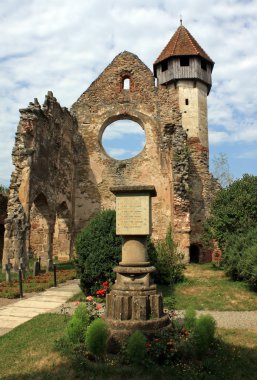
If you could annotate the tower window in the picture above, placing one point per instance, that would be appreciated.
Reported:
(126, 84)
(186, 102)
(184, 61)
(203, 64)
(164, 65)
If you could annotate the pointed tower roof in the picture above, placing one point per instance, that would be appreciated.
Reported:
(182, 43)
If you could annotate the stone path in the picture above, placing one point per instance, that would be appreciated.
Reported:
(23, 310)
(230, 319)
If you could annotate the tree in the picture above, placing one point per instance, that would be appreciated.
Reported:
(221, 170)
(232, 223)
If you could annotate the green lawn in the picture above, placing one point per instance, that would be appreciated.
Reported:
(27, 352)
(206, 288)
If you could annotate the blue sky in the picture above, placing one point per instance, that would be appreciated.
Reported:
(63, 45)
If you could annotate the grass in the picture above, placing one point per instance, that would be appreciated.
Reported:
(65, 271)
(207, 288)
(27, 353)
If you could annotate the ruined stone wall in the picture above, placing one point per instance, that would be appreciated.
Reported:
(154, 109)
(3, 214)
(203, 187)
(63, 175)
(42, 183)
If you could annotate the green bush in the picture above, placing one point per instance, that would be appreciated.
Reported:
(168, 261)
(136, 347)
(234, 210)
(190, 319)
(98, 251)
(240, 256)
(77, 325)
(233, 224)
(96, 337)
(203, 333)
(248, 270)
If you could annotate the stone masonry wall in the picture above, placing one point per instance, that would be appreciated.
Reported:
(153, 108)
(63, 175)
(203, 187)
(42, 181)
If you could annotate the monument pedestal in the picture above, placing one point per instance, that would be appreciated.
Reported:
(134, 303)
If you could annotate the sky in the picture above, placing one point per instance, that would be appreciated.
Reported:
(63, 45)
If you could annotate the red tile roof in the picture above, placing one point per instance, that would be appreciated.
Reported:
(182, 43)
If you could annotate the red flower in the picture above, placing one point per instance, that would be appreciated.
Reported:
(98, 306)
(101, 292)
(105, 284)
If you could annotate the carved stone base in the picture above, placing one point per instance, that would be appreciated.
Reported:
(134, 303)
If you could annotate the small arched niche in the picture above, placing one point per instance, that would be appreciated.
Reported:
(123, 139)
(62, 234)
(194, 253)
(40, 241)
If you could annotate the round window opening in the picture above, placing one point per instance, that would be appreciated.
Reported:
(123, 139)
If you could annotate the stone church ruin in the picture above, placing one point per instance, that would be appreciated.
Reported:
(63, 175)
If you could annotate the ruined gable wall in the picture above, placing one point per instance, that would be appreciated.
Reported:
(42, 180)
(153, 108)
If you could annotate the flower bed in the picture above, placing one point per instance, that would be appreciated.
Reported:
(35, 284)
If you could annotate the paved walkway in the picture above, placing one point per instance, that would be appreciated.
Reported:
(230, 319)
(52, 300)
(21, 311)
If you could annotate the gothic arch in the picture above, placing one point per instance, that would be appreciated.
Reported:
(62, 233)
(40, 229)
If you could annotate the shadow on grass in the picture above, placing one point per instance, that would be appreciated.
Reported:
(224, 361)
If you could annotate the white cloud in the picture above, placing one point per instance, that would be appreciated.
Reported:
(63, 45)
(118, 152)
(122, 128)
(251, 154)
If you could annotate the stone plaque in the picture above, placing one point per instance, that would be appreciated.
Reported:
(133, 214)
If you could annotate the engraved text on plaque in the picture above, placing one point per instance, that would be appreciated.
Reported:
(133, 215)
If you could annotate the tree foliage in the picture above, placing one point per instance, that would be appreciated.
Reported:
(233, 223)
(98, 251)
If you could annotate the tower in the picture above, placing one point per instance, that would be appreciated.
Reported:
(184, 65)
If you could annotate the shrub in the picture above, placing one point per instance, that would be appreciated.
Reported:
(136, 347)
(248, 270)
(77, 325)
(96, 337)
(98, 251)
(190, 319)
(233, 223)
(234, 210)
(168, 261)
(240, 257)
(203, 334)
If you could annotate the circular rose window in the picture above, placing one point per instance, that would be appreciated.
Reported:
(123, 139)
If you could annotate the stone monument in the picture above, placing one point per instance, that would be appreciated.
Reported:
(134, 303)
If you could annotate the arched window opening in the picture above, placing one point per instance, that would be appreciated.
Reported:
(40, 240)
(62, 236)
(194, 253)
(126, 84)
(123, 139)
